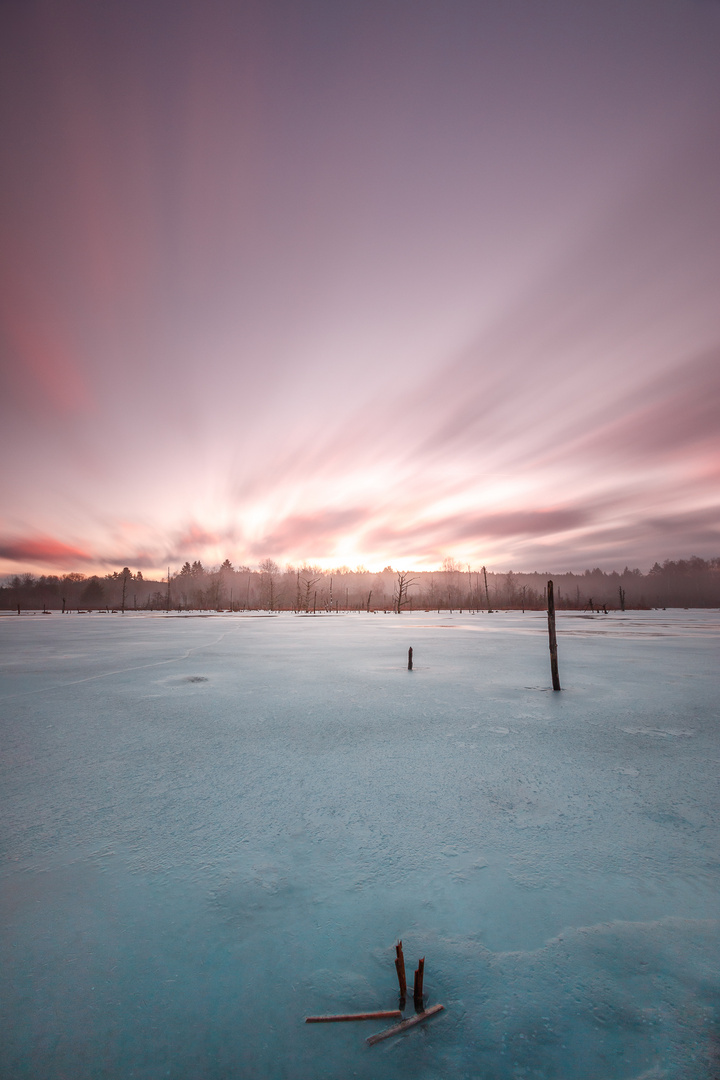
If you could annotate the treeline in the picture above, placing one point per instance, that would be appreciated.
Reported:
(687, 583)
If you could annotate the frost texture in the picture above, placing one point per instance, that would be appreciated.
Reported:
(215, 826)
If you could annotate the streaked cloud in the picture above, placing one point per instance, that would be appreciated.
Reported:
(44, 550)
(359, 284)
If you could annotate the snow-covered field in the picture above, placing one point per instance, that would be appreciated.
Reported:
(213, 827)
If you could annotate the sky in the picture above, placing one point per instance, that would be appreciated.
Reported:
(361, 283)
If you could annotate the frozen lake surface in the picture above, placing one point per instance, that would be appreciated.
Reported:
(215, 826)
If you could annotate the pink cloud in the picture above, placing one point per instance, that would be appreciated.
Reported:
(43, 549)
(316, 533)
(195, 536)
(450, 530)
(672, 414)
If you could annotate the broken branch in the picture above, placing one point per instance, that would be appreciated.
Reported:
(337, 1017)
(404, 1024)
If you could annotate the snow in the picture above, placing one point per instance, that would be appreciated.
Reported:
(213, 827)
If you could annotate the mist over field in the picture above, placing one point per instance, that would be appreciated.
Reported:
(683, 583)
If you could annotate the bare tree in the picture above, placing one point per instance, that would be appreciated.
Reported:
(308, 583)
(269, 570)
(125, 576)
(487, 591)
(400, 596)
(451, 568)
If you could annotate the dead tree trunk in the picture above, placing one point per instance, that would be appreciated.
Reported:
(487, 592)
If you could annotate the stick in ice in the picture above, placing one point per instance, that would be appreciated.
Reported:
(552, 637)
(396, 1029)
(335, 1018)
(418, 984)
(400, 968)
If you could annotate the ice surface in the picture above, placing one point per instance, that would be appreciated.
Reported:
(215, 826)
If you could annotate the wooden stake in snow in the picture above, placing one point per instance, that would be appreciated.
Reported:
(418, 987)
(388, 1014)
(410, 658)
(552, 637)
(396, 1029)
(400, 968)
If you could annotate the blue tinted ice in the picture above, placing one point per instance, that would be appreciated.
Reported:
(214, 826)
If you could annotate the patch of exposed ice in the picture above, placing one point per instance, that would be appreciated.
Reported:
(190, 870)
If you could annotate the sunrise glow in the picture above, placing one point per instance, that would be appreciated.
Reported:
(354, 285)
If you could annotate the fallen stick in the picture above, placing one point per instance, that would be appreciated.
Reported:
(337, 1017)
(404, 1025)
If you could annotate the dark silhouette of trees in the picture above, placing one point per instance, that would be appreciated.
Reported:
(692, 582)
(93, 594)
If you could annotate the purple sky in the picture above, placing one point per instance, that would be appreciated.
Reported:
(359, 282)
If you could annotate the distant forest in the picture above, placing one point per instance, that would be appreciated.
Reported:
(686, 583)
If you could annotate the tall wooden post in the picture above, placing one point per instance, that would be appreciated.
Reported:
(552, 637)
(400, 968)
(410, 667)
(418, 984)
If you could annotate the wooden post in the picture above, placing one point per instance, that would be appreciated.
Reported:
(410, 658)
(552, 637)
(400, 968)
(418, 987)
